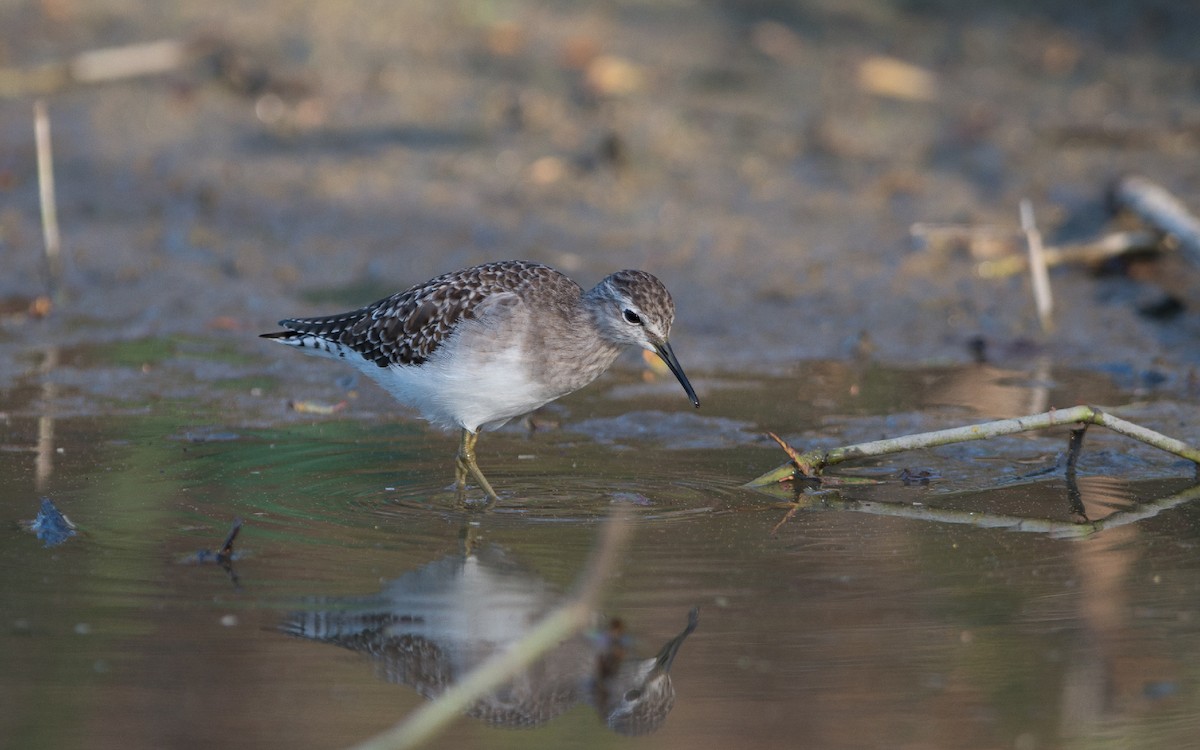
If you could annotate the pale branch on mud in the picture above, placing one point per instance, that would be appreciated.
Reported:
(1169, 225)
(572, 616)
(812, 463)
(995, 248)
(1158, 208)
(1111, 245)
(205, 55)
(97, 66)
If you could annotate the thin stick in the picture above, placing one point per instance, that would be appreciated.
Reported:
(226, 551)
(1155, 205)
(49, 206)
(792, 454)
(572, 616)
(1042, 296)
(43, 463)
(813, 462)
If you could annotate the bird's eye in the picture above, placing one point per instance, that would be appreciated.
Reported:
(632, 318)
(632, 695)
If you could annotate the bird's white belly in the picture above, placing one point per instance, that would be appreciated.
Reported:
(469, 387)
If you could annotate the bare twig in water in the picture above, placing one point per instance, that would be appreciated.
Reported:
(49, 206)
(226, 551)
(801, 467)
(1037, 267)
(1075, 447)
(817, 460)
(786, 517)
(224, 556)
(569, 618)
(1158, 208)
(1076, 529)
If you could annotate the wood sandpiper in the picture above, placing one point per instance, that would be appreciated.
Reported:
(475, 348)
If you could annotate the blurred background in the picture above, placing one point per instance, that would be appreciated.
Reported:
(808, 177)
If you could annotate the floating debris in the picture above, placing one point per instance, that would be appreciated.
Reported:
(22, 308)
(633, 498)
(51, 526)
(208, 437)
(918, 476)
(314, 407)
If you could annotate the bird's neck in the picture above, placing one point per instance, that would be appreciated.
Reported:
(584, 345)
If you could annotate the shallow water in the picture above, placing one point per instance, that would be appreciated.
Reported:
(838, 626)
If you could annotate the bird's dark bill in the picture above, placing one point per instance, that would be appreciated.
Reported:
(664, 350)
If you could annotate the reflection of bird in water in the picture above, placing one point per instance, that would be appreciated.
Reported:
(635, 695)
(430, 627)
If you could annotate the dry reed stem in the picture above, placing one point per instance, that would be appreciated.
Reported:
(48, 203)
(1042, 296)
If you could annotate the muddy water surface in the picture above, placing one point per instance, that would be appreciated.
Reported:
(352, 597)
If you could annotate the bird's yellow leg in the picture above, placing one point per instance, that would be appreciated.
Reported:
(465, 464)
(460, 466)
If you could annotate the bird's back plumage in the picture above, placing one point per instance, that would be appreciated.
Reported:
(408, 327)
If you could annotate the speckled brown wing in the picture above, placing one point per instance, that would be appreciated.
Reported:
(408, 327)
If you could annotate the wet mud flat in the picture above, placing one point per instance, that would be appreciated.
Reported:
(770, 162)
(824, 189)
